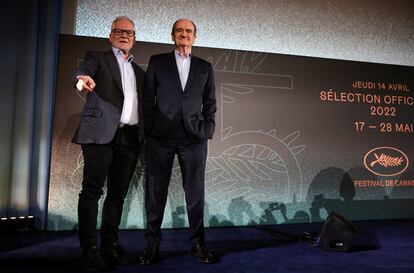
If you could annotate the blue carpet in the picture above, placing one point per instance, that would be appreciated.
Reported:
(381, 246)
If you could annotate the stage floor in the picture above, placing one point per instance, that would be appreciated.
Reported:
(381, 246)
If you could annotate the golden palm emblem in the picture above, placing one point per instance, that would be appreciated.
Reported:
(387, 161)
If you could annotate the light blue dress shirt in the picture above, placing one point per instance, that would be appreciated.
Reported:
(183, 66)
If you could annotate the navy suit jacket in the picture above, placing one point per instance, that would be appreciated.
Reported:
(101, 114)
(165, 99)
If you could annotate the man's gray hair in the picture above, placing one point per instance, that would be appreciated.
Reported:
(122, 18)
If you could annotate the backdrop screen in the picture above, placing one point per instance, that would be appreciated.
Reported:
(296, 138)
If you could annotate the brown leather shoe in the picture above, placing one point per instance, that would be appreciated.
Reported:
(203, 255)
(149, 256)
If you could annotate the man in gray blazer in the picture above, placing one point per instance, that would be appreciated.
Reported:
(179, 110)
(110, 134)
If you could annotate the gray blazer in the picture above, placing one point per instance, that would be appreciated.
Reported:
(102, 111)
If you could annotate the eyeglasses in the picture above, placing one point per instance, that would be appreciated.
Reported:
(119, 32)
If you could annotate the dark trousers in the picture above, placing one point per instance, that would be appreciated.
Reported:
(192, 160)
(116, 162)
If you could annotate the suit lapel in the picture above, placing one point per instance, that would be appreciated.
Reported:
(191, 74)
(175, 74)
(136, 72)
(113, 65)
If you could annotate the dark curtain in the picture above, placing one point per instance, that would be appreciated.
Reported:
(28, 37)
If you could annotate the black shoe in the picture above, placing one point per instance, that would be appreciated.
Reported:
(115, 254)
(92, 261)
(203, 255)
(149, 256)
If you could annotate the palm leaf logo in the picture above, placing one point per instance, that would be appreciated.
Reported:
(387, 161)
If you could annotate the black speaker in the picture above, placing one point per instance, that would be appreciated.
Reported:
(338, 234)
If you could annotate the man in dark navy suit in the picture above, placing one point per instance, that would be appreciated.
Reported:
(179, 110)
(110, 134)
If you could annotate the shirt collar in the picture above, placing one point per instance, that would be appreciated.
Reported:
(178, 54)
(121, 54)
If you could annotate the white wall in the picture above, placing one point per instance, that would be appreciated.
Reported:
(380, 31)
